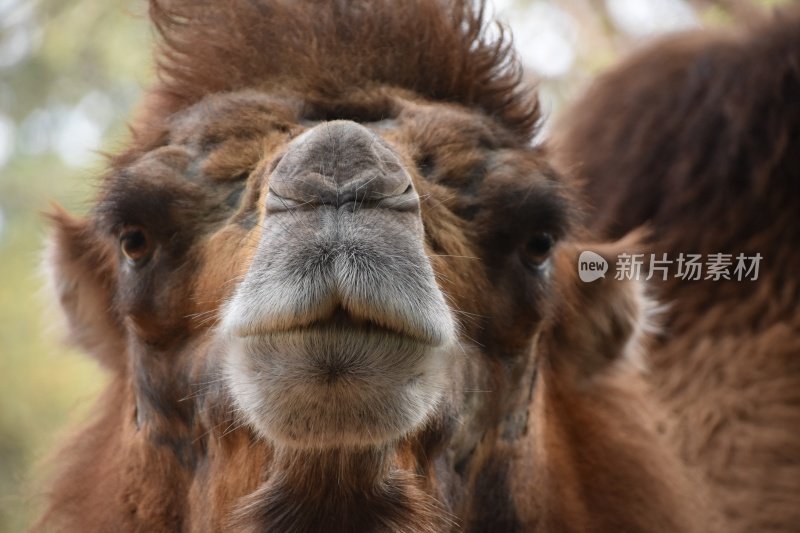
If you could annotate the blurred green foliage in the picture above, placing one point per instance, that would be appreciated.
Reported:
(41, 383)
(70, 70)
(64, 50)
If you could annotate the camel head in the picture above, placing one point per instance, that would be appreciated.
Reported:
(335, 283)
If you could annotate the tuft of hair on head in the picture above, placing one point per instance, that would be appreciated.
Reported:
(322, 50)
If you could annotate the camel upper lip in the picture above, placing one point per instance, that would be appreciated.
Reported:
(369, 263)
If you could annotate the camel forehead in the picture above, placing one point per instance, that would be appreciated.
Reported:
(251, 114)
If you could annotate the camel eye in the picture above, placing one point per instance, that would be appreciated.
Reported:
(538, 248)
(135, 245)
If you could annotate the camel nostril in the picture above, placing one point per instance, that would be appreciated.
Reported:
(338, 163)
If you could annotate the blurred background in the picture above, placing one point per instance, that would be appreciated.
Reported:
(70, 72)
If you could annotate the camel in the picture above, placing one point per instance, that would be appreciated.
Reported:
(696, 139)
(334, 287)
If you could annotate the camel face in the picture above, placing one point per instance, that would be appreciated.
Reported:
(339, 334)
(338, 269)
(321, 287)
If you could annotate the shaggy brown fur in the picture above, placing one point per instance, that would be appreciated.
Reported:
(698, 138)
(545, 424)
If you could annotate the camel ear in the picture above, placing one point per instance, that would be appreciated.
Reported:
(601, 320)
(81, 271)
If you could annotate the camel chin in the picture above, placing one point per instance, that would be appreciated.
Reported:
(330, 386)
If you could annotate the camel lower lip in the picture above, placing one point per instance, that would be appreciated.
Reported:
(365, 350)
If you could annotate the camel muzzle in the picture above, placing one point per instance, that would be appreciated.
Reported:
(339, 331)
